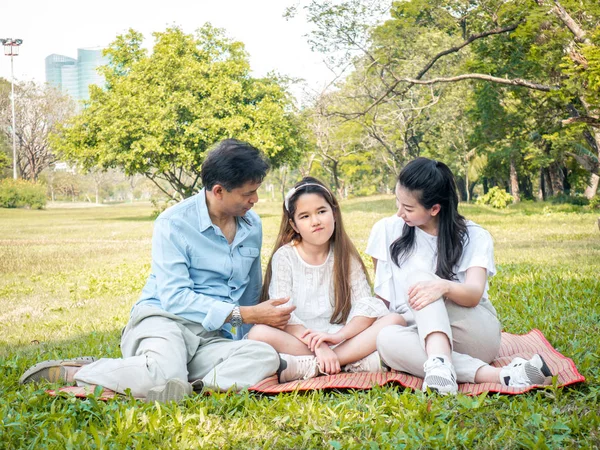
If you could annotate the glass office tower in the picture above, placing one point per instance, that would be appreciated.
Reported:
(73, 76)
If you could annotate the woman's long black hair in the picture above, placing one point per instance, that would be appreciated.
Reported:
(432, 183)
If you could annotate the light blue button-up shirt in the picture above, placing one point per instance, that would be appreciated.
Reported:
(196, 273)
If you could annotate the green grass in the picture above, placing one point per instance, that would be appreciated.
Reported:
(69, 277)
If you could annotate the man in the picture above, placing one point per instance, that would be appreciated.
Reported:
(200, 298)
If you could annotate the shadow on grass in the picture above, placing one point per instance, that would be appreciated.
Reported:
(15, 359)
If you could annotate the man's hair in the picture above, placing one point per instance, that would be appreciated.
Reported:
(232, 164)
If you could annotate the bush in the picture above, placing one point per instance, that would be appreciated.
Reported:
(21, 193)
(594, 202)
(560, 199)
(496, 198)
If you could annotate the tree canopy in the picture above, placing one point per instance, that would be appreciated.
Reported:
(160, 112)
(506, 92)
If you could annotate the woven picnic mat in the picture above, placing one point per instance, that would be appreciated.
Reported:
(513, 345)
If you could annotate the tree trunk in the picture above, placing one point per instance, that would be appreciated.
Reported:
(542, 189)
(548, 183)
(566, 183)
(591, 190)
(471, 189)
(514, 182)
(282, 180)
(334, 172)
(461, 184)
(556, 178)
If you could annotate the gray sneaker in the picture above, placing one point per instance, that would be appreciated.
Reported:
(174, 390)
(522, 373)
(297, 367)
(54, 370)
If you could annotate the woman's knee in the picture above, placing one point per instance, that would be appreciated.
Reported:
(387, 339)
(421, 275)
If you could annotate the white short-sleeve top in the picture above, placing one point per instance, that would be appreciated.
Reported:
(392, 282)
(310, 289)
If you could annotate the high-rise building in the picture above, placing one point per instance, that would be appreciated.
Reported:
(74, 76)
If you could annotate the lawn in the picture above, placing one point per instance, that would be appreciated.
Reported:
(68, 278)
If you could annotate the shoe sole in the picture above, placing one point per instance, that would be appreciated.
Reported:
(437, 391)
(174, 390)
(34, 375)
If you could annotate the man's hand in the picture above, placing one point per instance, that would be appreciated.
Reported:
(314, 339)
(327, 359)
(271, 312)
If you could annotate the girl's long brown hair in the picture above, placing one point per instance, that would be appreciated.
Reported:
(343, 248)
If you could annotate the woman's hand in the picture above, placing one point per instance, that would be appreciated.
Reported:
(423, 293)
(327, 359)
(314, 339)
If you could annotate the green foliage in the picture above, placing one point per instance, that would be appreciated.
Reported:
(21, 194)
(560, 199)
(68, 279)
(5, 161)
(162, 112)
(594, 202)
(496, 198)
(520, 133)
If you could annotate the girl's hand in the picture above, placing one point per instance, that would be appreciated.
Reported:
(314, 339)
(424, 293)
(328, 360)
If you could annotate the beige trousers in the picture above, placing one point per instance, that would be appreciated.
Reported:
(474, 334)
(158, 346)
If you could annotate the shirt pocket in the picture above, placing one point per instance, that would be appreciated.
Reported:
(248, 255)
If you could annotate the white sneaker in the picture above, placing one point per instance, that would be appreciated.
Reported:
(370, 363)
(522, 373)
(297, 367)
(440, 376)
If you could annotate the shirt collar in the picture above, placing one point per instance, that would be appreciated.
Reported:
(204, 217)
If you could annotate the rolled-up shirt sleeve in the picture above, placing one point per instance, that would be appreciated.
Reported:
(175, 287)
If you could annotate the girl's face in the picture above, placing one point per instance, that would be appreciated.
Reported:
(313, 219)
(413, 213)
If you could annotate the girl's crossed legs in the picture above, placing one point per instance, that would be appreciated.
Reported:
(357, 348)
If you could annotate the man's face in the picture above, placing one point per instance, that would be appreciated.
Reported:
(239, 201)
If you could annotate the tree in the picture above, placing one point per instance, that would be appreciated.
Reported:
(537, 50)
(160, 113)
(38, 110)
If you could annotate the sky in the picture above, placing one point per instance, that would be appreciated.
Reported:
(63, 26)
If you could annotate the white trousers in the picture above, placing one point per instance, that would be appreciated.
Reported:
(158, 346)
(474, 334)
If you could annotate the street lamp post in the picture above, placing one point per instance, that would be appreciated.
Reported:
(11, 48)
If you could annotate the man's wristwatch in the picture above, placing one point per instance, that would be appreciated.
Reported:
(236, 317)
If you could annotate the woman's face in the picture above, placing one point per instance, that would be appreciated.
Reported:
(413, 213)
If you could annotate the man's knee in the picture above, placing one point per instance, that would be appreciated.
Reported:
(161, 370)
(263, 353)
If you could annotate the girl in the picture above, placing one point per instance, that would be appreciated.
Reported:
(335, 323)
(432, 266)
